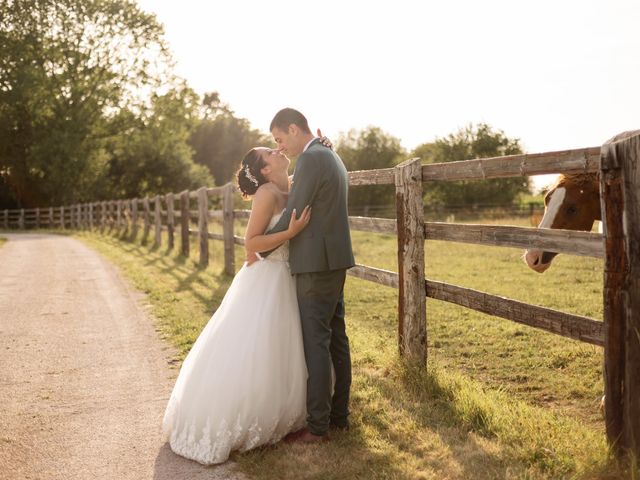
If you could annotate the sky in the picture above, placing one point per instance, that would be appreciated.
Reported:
(557, 75)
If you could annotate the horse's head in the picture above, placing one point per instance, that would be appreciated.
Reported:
(572, 203)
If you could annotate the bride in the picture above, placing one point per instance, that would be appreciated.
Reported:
(243, 384)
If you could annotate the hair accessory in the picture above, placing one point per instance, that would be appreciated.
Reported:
(250, 176)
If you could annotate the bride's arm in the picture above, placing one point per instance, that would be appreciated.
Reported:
(262, 208)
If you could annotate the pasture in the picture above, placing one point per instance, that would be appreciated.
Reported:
(498, 400)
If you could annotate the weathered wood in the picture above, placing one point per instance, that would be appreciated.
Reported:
(184, 223)
(193, 195)
(216, 236)
(62, 217)
(376, 275)
(134, 218)
(21, 219)
(37, 218)
(91, 216)
(203, 226)
(373, 224)
(577, 327)
(584, 244)
(242, 213)
(79, 216)
(238, 240)
(146, 219)
(620, 202)
(157, 208)
(412, 331)
(170, 221)
(382, 176)
(6, 218)
(118, 214)
(227, 229)
(567, 161)
(215, 191)
(51, 223)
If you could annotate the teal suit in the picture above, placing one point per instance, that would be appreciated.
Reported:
(319, 257)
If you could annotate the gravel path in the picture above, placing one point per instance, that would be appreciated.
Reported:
(84, 377)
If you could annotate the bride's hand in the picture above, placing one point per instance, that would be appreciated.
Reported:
(324, 140)
(296, 225)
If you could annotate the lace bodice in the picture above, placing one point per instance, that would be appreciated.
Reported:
(281, 253)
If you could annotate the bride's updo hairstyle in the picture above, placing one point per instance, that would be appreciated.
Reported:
(249, 176)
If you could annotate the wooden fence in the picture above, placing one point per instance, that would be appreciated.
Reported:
(619, 245)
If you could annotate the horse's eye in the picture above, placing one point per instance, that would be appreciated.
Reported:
(572, 210)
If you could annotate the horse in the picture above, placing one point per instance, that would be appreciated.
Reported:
(571, 203)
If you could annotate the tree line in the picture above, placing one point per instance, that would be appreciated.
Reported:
(90, 109)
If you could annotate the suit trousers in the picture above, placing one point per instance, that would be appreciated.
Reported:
(321, 303)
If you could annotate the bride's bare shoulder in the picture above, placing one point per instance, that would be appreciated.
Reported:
(266, 195)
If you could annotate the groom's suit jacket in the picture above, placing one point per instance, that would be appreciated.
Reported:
(320, 180)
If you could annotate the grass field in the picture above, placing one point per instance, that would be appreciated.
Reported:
(497, 400)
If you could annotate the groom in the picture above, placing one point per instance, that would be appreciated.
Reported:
(319, 257)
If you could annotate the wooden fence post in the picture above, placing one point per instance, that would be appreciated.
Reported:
(227, 229)
(50, 220)
(620, 203)
(170, 220)
(146, 218)
(126, 213)
(184, 222)
(91, 216)
(6, 219)
(37, 217)
(62, 217)
(21, 219)
(118, 214)
(412, 331)
(134, 218)
(103, 214)
(157, 211)
(203, 225)
(79, 216)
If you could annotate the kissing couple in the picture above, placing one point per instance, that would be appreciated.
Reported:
(274, 360)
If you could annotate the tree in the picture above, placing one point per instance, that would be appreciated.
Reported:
(467, 143)
(369, 149)
(67, 70)
(153, 156)
(220, 140)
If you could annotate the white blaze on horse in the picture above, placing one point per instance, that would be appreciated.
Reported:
(572, 203)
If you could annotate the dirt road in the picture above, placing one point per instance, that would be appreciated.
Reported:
(84, 377)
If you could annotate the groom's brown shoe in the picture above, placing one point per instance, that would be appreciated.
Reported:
(308, 437)
(305, 436)
(293, 436)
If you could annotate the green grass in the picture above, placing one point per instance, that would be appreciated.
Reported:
(498, 400)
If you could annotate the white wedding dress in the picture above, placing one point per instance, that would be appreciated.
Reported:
(243, 384)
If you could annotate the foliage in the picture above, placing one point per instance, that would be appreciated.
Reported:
(220, 139)
(153, 155)
(68, 71)
(479, 141)
(369, 149)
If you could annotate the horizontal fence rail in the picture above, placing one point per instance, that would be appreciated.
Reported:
(567, 161)
(581, 160)
(576, 327)
(573, 242)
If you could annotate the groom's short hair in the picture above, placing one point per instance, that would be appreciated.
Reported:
(288, 116)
